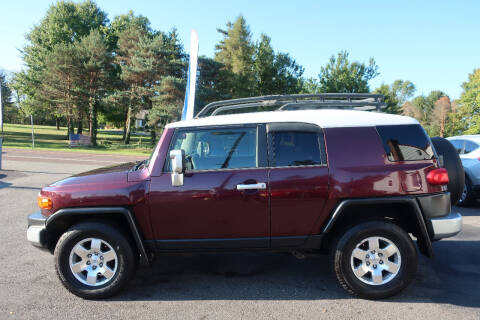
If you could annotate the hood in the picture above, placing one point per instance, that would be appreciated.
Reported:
(105, 175)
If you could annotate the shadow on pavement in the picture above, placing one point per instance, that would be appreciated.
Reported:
(451, 277)
(7, 184)
(471, 210)
(39, 172)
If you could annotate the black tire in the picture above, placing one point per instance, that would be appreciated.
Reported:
(125, 263)
(468, 198)
(453, 164)
(342, 259)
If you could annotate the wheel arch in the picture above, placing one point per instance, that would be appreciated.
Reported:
(121, 217)
(404, 211)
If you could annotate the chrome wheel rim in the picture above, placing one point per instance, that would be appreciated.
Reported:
(375, 261)
(93, 262)
(464, 193)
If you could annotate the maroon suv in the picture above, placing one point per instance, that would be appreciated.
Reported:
(353, 183)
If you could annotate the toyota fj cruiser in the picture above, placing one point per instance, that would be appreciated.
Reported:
(306, 173)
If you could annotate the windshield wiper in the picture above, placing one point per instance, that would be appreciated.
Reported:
(140, 165)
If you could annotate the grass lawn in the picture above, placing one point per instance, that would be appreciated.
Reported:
(49, 138)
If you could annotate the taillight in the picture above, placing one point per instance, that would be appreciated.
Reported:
(438, 176)
(44, 202)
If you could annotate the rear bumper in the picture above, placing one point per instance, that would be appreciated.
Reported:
(36, 231)
(447, 226)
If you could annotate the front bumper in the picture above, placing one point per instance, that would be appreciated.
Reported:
(37, 231)
(447, 226)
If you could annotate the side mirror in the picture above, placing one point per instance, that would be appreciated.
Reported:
(177, 158)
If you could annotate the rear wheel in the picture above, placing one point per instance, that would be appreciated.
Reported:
(375, 260)
(453, 164)
(94, 260)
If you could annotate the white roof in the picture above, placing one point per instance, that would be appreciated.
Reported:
(325, 118)
(472, 137)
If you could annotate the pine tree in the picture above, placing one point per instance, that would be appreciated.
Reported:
(343, 76)
(96, 66)
(61, 80)
(235, 51)
(144, 61)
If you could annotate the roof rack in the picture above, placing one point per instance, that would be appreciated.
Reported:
(357, 101)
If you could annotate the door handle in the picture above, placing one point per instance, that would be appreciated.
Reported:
(255, 186)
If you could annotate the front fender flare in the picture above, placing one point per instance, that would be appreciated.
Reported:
(105, 210)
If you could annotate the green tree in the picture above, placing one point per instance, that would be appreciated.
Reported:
(466, 119)
(144, 61)
(235, 51)
(168, 104)
(275, 73)
(6, 91)
(10, 112)
(96, 63)
(121, 23)
(310, 85)
(209, 83)
(342, 75)
(426, 104)
(65, 23)
(396, 95)
(61, 80)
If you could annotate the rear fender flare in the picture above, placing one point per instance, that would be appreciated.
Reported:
(425, 244)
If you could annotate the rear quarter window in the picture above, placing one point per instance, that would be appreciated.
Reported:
(406, 143)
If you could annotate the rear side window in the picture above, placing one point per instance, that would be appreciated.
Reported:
(406, 142)
(459, 145)
(470, 146)
(295, 149)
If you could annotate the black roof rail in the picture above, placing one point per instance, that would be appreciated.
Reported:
(359, 101)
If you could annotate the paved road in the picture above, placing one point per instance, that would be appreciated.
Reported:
(241, 286)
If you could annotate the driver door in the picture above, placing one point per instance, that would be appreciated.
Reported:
(223, 202)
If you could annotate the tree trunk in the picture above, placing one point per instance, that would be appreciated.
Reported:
(442, 124)
(125, 125)
(70, 128)
(80, 126)
(128, 125)
(153, 135)
(93, 122)
(57, 122)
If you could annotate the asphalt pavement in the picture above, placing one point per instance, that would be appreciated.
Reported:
(214, 286)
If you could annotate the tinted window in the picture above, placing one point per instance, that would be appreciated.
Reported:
(405, 142)
(218, 148)
(470, 146)
(295, 149)
(458, 144)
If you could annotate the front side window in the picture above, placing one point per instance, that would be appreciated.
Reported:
(295, 149)
(211, 149)
(406, 142)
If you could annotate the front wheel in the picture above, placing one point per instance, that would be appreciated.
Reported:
(375, 260)
(94, 260)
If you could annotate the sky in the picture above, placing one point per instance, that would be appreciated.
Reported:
(434, 44)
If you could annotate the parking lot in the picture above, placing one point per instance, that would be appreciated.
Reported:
(215, 286)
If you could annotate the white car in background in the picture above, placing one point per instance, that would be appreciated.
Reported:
(468, 147)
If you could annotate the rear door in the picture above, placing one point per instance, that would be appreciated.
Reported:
(298, 180)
